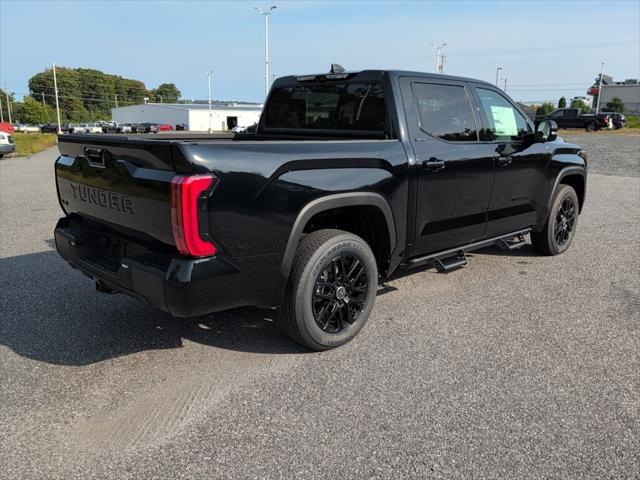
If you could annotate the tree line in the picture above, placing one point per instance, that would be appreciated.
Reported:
(84, 95)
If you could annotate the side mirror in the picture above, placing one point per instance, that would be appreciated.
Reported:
(546, 131)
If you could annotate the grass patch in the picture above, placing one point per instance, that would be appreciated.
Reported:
(30, 143)
(633, 121)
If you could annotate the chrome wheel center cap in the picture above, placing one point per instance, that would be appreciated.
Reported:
(341, 292)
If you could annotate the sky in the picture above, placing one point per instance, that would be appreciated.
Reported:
(546, 49)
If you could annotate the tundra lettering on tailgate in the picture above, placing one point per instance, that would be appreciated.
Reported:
(111, 200)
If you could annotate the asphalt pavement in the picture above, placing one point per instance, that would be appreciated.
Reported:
(516, 366)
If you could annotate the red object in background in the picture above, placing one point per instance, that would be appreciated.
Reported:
(7, 127)
(593, 91)
(165, 127)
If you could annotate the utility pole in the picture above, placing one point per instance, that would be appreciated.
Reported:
(55, 87)
(43, 103)
(265, 13)
(115, 96)
(497, 73)
(599, 89)
(505, 85)
(161, 99)
(6, 92)
(1, 114)
(209, 73)
(439, 58)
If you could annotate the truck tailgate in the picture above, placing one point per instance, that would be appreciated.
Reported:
(125, 185)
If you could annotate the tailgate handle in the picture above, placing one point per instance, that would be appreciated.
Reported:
(95, 156)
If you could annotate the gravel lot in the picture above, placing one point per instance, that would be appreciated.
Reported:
(517, 366)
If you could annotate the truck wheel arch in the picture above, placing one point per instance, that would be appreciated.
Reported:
(329, 202)
(575, 177)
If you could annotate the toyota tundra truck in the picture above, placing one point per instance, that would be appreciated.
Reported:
(348, 177)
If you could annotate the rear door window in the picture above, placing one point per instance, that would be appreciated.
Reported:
(444, 111)
(505, 122)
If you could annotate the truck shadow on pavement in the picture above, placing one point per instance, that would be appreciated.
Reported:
(51, 313)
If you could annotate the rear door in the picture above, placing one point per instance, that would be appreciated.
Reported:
(573, 118)
(520, 186)
(454, 175)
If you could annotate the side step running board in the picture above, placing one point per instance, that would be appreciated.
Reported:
(451, 259)
(513, 243)
(447, 264)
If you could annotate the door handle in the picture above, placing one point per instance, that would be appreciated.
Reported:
(433, 164)
(504, 161)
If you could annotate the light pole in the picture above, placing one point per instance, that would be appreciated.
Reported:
(265, 13)
(209, 73)
(55, 87)
(6, 92)
(439, 64)
(497, 73)
(600, 89)
(505, 85)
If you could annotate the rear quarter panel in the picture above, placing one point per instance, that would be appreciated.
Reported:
(264, 185)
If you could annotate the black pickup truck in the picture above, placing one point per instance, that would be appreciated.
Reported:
(347, 178)
(574, 118)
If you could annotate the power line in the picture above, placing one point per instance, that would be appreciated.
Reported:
(535, 49)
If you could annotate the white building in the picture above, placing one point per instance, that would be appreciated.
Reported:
(224, 116)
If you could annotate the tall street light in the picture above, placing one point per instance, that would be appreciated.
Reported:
(600, 89)
(209, 73)
(55, 87)
(265, 13)
(439, 64)
(497, 73)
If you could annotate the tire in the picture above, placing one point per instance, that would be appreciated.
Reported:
(591, 127)
(560, 227)
(331, 290)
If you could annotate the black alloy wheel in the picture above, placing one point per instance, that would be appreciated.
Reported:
(340, 293)
(564, 221)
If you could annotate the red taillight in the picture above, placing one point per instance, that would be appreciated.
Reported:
(186, 193)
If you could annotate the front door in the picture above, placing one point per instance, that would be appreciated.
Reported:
(454, 175)
(520, 185)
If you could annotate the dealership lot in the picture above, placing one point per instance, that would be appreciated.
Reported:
(515, 366)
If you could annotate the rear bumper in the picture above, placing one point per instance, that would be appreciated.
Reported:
(181, 286)
(7, 148)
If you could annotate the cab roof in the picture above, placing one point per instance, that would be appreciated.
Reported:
(368, 76)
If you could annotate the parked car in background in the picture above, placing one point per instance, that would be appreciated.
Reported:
(165, 127)
(182, 126)
(7, 127)
(147, 127)
(6, 143)
(92, 128)
(618, 120)
(110, 127)
(75, 128)
(22, 128)
(239, 128)
(574, 118)
(49, 128)
(124, 128)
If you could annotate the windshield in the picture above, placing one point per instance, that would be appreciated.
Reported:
(351, 107)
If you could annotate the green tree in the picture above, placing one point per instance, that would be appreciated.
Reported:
(562, 103)
(87, 94)
(577, 103)
(615, 105)
(34, 112)
(545, 109)
(166, 92)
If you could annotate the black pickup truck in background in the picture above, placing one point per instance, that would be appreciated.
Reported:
(574, 118)
(348, 177)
